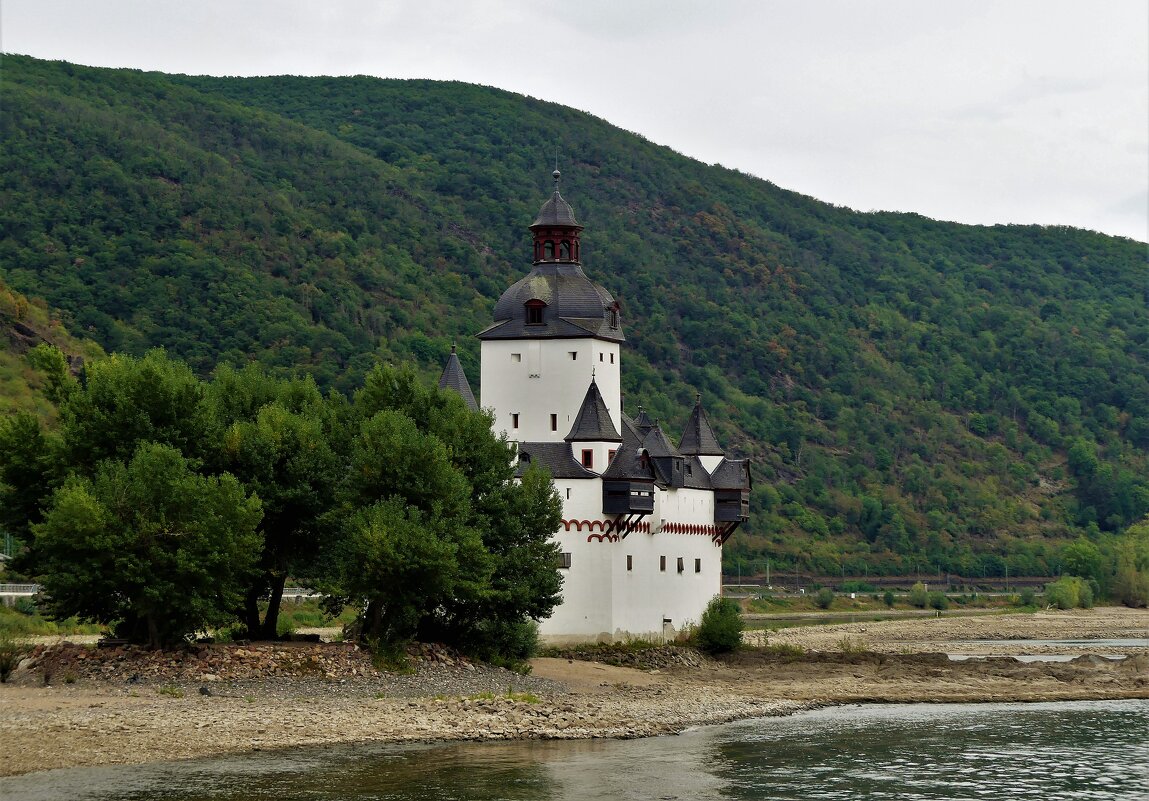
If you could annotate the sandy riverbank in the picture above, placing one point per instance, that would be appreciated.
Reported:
(161, 709)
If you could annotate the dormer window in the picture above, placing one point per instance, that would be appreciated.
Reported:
(535, 312)
(612, 311)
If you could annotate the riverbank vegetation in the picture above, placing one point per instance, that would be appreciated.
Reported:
(163, 505)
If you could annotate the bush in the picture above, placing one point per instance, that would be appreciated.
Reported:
(11, 652)
(939, 601)
(1027, 596)
(918, 595)
(1069, 592)
(824, 598)
(721, 627)
(888, 599)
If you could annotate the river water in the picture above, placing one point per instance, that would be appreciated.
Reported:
(1078, 750)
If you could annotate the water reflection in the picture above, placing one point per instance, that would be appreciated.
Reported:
(1083, 750)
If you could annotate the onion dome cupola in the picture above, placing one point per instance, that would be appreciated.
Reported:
(555, 230)
(453, 378)
(556, 299)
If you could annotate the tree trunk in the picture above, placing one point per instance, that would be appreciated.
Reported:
(269, 631)
(251, 613)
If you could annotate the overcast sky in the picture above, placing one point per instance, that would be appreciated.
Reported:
(979, 111)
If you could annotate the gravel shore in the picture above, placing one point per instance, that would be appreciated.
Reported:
(135, 707)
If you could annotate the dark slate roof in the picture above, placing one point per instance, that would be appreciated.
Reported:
(556, 211)
(556, 457)
(455, 379)
(731, 474)
(593, 423)
(658, 445)
(630, 436)
(696, 476)
(627, 466)
(642, 423)
(575, 306)
(698, 439)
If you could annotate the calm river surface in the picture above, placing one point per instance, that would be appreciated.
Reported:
(1080, 750)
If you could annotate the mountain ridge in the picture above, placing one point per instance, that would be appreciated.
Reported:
(910, 389)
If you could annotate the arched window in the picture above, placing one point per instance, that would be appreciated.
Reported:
(534, 312)
(613, 312)
(565, 250)
(549, 251)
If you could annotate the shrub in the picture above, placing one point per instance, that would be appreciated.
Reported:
(720, 629)
(824, 598)
(918, 595)
(1069, 592)
(1027, 596)
(11, 652)
(888, 599)
(939, 601)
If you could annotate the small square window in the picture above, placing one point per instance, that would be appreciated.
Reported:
(588, 458)
(574, 355)
(662, 563)
(568, 493)
(612, 358)
(600, 357)
(610, 456)
(681, 565)
(629, 562)
(514, 420)
(554, 422)
(697, 565)
(565, 561)
(516, 357)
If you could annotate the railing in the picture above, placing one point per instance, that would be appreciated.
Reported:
(19, 590)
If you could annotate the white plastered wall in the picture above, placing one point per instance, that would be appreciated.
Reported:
(545, 380)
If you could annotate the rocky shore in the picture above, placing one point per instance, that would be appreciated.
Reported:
(120, 706)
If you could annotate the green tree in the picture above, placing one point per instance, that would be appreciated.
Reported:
(276, 437)
(149, 546)
(919, 596)
(406, 546)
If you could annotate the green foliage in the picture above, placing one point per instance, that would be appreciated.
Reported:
(1069, 592)
(908, 388)
(150, 544)
(824, 598)
(918, 596)
(11, 652)
(720, 629)
(888, 599)
(939, 601)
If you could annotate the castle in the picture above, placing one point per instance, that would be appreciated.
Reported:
(644, 521)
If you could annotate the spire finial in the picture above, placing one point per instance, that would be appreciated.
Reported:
(592, 374)
(452, 347)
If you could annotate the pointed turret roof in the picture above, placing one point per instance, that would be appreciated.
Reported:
(593, 422)
(698, 439)
(455, 379)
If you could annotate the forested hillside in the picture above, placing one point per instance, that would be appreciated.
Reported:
(915, 394)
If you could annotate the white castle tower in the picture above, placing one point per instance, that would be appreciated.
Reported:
(644, 521)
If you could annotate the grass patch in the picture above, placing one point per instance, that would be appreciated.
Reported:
(171, 691)
(524, 698)
(24, 621)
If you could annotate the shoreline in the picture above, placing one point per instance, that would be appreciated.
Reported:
(262, 699)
